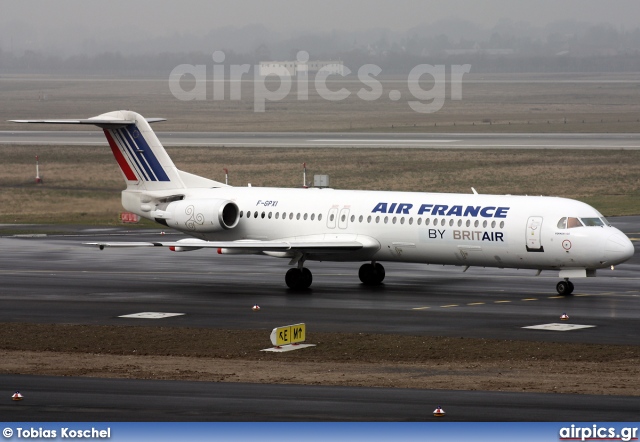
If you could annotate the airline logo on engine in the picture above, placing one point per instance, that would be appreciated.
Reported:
(441, 210)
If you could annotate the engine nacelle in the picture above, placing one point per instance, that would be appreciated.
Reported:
(202, 215)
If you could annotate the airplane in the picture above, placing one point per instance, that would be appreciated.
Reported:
(323, 224)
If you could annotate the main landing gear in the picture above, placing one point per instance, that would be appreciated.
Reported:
(564, 287)
(371, 273)
(298, 278)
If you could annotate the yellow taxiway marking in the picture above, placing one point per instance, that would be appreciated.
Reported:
(556, 297)
(421, 308)
(476, 303)
(529, 299)
(586, 294)
(447, 306)
(500, 302)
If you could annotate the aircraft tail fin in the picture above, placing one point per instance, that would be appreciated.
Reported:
(144, 162)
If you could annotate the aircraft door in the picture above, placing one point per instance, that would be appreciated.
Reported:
(534, 233)
(343, 219)
(331, 218)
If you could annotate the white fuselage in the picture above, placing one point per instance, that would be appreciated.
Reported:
(458, 229)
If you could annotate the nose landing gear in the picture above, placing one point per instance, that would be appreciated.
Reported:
(565, 287)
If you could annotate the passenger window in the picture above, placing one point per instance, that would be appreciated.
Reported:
(573, 222)
(484, 224)
(313, 216)
(320, 217)
(402, 220)
(277, 215)
(386, 219)
(269, 215)
(360, 218)
(369, 219)
(502, 224)
(435, 222)
(241, 214)
(459, 223)
(393, 220)
(420, 221)
(291, 215)
(468, 222)
(476, 223)
(493, 224)
(305, 217)
(332, 217)
(262, 215)
(451, 223)
(377, 219)
(427, 221)
(343, 217)
(255, 214)
(410, 221)
(562, 224)
(353, 218)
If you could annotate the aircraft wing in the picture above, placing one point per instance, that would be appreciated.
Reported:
(254, 246)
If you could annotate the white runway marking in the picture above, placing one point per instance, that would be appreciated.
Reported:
(559, 327)
(150, 315)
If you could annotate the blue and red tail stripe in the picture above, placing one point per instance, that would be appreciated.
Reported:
(122, 162)
(134, 155)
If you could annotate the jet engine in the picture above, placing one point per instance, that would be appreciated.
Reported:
(202, 215)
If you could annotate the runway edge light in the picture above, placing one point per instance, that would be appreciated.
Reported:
(564, 317)
(255, 308)
(17, 396)
(438, 412)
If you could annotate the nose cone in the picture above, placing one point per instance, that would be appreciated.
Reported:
(618, 249)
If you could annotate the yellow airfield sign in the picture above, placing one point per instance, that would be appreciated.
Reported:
(288, 334)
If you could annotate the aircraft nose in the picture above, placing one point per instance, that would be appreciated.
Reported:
(619, 248)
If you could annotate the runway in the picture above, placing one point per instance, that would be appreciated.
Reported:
(102, 400)
(344, 140)
(56, 279)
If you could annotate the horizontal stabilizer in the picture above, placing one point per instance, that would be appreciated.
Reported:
(94, 121)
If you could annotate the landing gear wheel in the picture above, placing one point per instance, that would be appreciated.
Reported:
(371, 274)
(379, 272)
(564, 288)
(297, 279)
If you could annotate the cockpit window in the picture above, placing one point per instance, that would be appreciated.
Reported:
(570, 223)
(605, 221)
(573, 222)
(592, 222)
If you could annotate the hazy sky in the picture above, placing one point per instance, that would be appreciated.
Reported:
(69, 27)
(160, 18)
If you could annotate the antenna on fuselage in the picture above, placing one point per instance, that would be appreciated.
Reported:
(304, 176)
(226, 175)
(475, 192)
